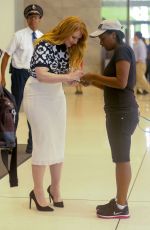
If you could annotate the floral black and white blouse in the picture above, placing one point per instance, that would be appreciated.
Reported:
(54, 57)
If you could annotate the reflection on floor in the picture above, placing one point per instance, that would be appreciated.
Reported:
(88, 174)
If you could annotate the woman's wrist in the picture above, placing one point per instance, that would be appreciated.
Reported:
(66, 78)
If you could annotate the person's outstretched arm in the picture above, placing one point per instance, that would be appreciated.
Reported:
(119, 81)
(3, 68)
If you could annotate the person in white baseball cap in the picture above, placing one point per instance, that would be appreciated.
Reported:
(106, 25)
(121, 109)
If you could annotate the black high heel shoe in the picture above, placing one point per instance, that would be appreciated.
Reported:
(39, 207)
(59, 204)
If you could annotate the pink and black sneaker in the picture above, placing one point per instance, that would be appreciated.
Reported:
(111, 211)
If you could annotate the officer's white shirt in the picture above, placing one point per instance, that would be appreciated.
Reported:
(21, 48)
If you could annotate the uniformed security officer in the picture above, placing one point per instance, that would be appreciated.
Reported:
(21, 49)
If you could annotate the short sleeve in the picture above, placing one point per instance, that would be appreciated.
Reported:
(41, 55)
(12, 45)
(123, 53)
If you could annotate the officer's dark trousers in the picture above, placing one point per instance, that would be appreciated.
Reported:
(18, 81)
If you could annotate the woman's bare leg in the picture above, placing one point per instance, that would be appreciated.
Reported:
(38, 172)
(123, 178)
(55, 181)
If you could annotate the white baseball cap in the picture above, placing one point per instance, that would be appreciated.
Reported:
(106, 25)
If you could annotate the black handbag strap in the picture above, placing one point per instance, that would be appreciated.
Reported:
(12, 167)
(1, 90)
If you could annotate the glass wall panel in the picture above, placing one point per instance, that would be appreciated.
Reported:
(140, 17)
(116, 9)
(133, 14)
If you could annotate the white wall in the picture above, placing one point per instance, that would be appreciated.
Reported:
(7, 16)
(19, 16)
(11, 18)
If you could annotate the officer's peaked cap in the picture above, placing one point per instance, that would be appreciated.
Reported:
(33, 9)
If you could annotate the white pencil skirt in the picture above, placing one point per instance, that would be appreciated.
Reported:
(45, 107)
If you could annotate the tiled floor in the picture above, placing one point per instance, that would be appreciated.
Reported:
(88, 174)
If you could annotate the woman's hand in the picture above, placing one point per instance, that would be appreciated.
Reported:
(86, 80)
(91, 79)
(87, 77)
(75, 75)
